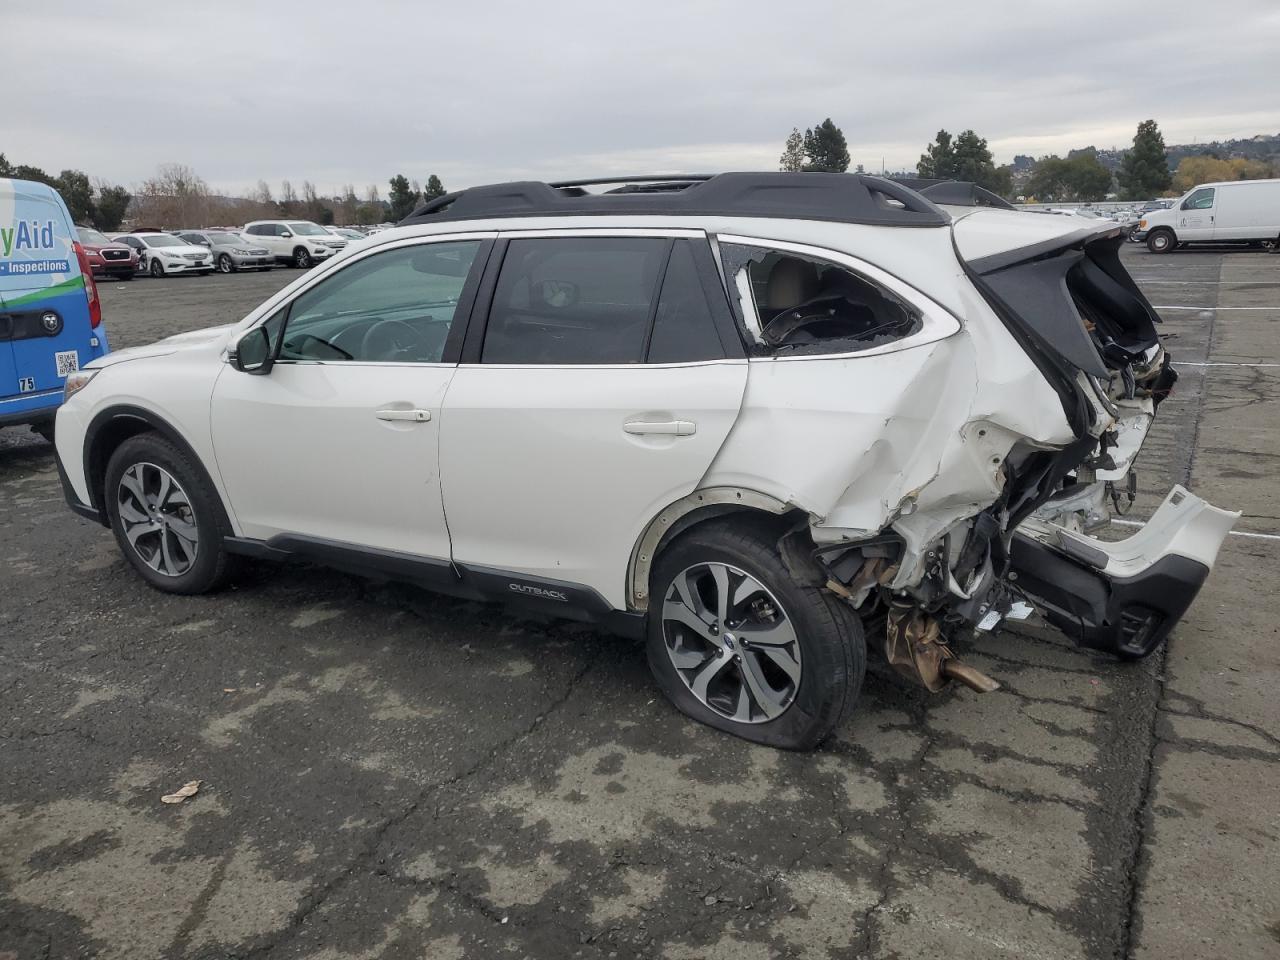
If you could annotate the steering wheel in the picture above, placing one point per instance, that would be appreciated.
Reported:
(388, 339)
(794, 318)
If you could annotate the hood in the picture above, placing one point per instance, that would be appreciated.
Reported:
(182, 341)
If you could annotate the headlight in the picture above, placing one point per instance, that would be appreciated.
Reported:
(240, 253)
(76, 382)
(171, 256)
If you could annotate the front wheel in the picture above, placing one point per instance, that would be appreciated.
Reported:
(166, 516)
(1161, 240)
(157, 269)
(224, 263)
(301, 259)
(738, 643)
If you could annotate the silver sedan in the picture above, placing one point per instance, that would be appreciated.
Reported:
(231, 251)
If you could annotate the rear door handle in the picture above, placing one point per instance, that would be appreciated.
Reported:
(670, 428)
(394, 413)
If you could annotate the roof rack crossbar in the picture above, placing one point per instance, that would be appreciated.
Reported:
(643, 178)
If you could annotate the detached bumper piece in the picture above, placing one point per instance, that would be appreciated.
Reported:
(1124, 596)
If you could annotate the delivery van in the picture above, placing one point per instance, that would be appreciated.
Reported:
(1237, 211)
(50, 314)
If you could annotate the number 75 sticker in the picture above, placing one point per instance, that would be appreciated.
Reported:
(26, 384)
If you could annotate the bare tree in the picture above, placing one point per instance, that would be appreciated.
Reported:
(288, 199)
(175, 197)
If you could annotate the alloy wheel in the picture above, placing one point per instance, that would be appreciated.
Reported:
(302, 259)
(224, 264)
(157, 518)
(731, 642)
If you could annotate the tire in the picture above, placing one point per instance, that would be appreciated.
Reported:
(1162, 240)
(44, 428)
(802, 702)
(157, 269)
(301, 259)
(180, 548)
(225, 265)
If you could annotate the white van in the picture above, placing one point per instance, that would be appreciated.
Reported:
(1232, 212)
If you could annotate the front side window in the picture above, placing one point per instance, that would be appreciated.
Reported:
(792, 304)
(1200, 200)
(574, 300)
(397, 306)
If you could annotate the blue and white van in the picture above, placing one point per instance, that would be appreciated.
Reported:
(50, 314)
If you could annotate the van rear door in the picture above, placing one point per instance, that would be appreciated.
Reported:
(42, 291)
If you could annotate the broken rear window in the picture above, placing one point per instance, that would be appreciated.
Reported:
(791, 304)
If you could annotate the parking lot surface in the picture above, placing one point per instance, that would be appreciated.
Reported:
(387, 773)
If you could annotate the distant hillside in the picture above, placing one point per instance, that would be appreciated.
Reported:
(1264, 147)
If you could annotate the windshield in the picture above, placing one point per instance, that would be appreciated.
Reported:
(226, 238)
(308, 230)
(88, 235)
(163, 240)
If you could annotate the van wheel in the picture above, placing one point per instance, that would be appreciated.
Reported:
(301, 259)
(157, 269)
(166, 516)
(224, 263)
(737, 643)
(1161, 240)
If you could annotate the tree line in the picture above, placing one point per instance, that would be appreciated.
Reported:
(1080, 176)
(177, 196)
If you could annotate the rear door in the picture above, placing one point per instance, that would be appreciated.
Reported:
(1196, 215)
(45, 313)
(598, 392)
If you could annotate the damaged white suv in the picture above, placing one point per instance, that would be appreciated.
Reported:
(754, 418)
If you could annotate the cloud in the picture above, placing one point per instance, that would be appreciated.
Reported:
(502, 89)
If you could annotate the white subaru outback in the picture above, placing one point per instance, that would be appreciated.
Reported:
(753, 418)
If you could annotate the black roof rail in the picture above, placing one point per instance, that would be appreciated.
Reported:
(836, 197)
(956, 193)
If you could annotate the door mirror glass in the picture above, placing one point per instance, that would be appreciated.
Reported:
(252, 352)
(286, 233)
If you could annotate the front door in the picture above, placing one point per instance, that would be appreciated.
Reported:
(601, 393)
(1195, 216)
(338, 442)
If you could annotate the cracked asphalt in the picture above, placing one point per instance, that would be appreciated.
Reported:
(392, 774)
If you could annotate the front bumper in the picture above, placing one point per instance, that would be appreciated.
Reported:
(1123, 596)
(186, 266)
(253, 262)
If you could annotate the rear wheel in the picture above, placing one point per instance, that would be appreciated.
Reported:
(166, 516)
(738, 643)
(1161, 240)
(301, 259)
(157, 269)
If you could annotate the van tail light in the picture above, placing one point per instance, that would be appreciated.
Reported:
(90, 288)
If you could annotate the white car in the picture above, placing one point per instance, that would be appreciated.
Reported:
(297, 242)
(347, 234)
(1232, 212)
(163, 254)
(753, 418)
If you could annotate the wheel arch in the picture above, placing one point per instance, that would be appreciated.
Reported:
(112, 427)
(683, 515)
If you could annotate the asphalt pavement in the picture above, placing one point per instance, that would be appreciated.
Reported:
(387, 773)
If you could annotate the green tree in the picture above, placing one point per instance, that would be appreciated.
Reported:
(1144, 171)
(433, 189)
(402, 197)
(1078, 179)
(24, 172)
(77, 194)
(938, 162)
(825, 148)
(109, 210)
(6, 169)
(792, 159)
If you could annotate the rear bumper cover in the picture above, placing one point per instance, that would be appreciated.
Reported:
(1123, 596)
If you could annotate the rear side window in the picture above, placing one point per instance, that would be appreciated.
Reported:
(574, 300)
(791, 304)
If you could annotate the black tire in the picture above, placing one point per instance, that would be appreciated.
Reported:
(156, 269)
(1162, 240)
(225, 263)
(301, 259)
(44, 428)
(832, 649)
(211, 564)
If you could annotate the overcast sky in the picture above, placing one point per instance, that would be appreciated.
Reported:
(354, 92)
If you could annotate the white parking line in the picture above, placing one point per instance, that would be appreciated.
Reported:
(1189, 363)
(1174, 307)
(1234, 533)
(1263, 283)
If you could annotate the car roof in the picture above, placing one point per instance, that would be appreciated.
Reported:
(837, 197)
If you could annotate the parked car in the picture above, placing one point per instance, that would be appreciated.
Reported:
(231, 251)
(1238, 211)
(162, 254)
(107, 257)
(50, 314)
(346, 233)
(297, 242)
(748, 417)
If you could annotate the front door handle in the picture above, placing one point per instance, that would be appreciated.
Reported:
(394, 413)
(670, 428)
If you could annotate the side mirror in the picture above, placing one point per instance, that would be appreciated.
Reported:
(252, 352)
(287, 234)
